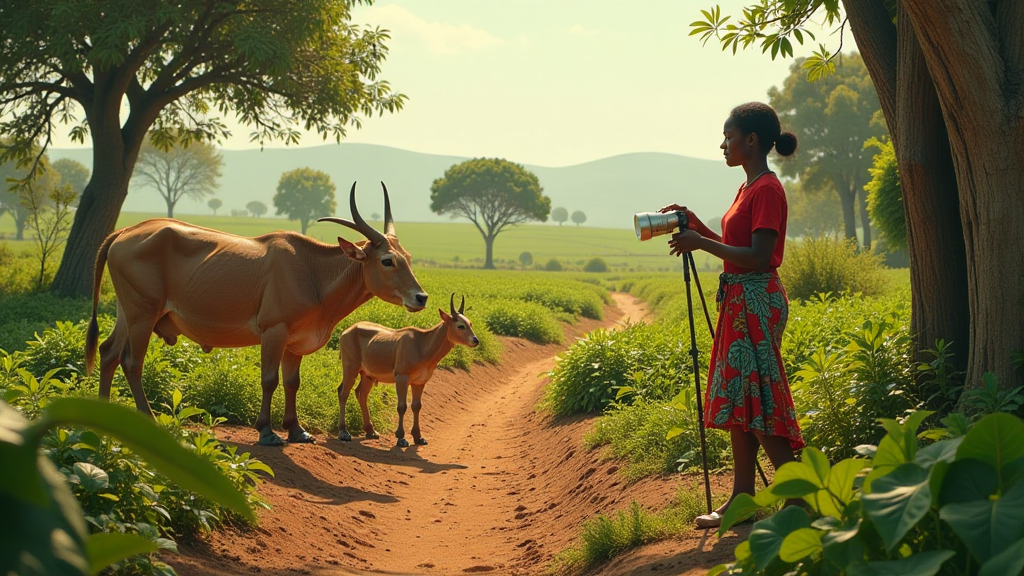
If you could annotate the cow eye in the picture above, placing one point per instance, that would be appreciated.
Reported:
(388, 261)
(461, 327)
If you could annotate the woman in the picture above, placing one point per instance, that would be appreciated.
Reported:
(747, 392)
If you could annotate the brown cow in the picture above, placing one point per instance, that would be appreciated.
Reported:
(407, 356)
(283, 291)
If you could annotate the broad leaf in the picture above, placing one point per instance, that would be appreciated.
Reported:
(1009, 562)
(943, 450)
(767, 536)
(988, 527)
(923, 564)
(843, 545)
(91, 478)
(997, 439)
(840, 479)
(800, 544)
(105, 548)
(742, 507)
(968, 481)
(155, 445)
(898, 502)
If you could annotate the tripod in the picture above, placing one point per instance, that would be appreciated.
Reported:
(688, 265)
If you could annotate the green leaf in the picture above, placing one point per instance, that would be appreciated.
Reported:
(898, 502)
(841, 477)
(188, 412)
(923, 564)
(997, 439)
(843, 545)
(944, 450)
(105, 548)
(1009, 562)
(988, 527)
(155, 445)
(742, 507)
(800, 544)
(795, 488)
(767, 536)
(968, 481)
(91, 478)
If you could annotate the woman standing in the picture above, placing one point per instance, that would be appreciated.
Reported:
(748, 393)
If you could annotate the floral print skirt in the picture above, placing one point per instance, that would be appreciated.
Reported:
(747, 385)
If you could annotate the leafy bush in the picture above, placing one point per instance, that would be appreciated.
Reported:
(831, 265)
(595, 264)
(950, 508)
(524, 320)
(553, 265)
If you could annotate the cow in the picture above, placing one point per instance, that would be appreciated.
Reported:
(407, 356)
(283, 291)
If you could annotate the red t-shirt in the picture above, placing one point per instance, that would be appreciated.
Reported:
(762, 205)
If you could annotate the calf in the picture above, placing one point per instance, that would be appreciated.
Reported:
(407, 356)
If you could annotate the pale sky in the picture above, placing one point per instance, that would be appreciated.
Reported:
(558, 82)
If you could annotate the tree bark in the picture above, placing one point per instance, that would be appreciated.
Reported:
(489, 261)
(96, 215)
(935, 241)
(847, 199)
(978, 82)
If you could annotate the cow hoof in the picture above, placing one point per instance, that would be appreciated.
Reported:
(301, 437)
(403, 443)
(421, 441)
(268, 438)
(372, 435)
(345, 436)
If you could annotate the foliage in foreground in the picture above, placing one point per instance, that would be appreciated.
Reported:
(81, 483)
(955, 507)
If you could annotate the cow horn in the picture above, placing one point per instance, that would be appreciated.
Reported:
(452, 304)
(389, 222)
(364, 228)
(463, 305)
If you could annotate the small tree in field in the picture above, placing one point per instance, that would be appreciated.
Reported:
(492, 194)
(578, 217)
(560, 215)
(177, 171)
(256, 208)
(215, 204)
(305, 194)
(48, 202)
(73, 173)
(526, 259)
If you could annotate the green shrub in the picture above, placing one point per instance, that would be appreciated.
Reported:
(595, 264)
(553, 265)
(828, 264)
(524, 320)
(952, 507)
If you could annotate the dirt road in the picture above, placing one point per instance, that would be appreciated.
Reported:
(500, 488)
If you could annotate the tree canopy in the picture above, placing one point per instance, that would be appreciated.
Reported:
(73, 173)
(579, 217)
(256, 208)
(832, 117)
(560, 215)
(275, 65)
(214, 204)
(492, 194)
(183, 170)
(305, 194)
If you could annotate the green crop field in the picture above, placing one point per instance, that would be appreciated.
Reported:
(459, 244)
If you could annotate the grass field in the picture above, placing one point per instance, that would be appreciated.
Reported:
(458, 243)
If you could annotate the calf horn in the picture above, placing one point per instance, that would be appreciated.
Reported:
(451, 304)
(359, 225)
(463, 305)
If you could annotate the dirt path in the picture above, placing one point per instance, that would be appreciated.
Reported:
(501, 488)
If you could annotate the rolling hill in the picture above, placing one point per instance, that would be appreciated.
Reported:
(609, 190)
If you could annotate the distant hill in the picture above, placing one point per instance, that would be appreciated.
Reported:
(609, 190)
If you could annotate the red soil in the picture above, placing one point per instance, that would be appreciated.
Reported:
(501, 488)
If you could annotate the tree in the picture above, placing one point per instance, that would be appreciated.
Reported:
(187, 169)
(491, 193)
(526, 259)
(885, 199)
(10, 196)
(305, 194)
(256, 208)
(832, 118)
(578, 217)
(811, 213)
(48, 202)
(948, 75)
(175, 65)
(72, 173)
(214, 204)
(560, 215)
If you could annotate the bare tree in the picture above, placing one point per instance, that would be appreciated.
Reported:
(179, 171)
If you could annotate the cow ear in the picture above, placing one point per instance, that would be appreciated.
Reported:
(445, 317)
(351, 250)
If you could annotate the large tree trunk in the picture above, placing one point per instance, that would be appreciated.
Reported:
(978, 82)
(935, 241)
(938, 265)
(489, 241)
(847, 201)
(95, 217)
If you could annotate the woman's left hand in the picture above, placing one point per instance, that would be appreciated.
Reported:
(685, 241)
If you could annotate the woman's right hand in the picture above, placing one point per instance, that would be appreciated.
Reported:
(694, 223)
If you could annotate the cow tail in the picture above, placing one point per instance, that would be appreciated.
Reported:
(92, 335)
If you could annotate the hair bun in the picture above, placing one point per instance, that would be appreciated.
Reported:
(785, 145)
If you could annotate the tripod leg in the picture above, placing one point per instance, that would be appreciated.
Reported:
(687, 262)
